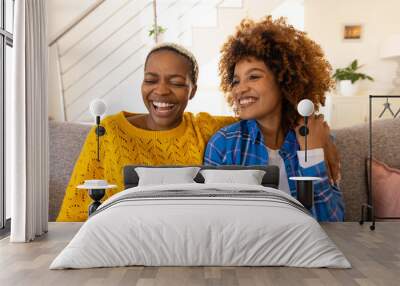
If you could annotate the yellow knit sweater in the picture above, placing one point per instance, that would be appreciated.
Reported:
(124, 144)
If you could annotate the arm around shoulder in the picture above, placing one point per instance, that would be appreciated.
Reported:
(210, 124)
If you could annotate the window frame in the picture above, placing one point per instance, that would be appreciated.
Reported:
(6, 39)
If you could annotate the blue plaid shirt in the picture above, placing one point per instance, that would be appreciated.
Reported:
(242, 143)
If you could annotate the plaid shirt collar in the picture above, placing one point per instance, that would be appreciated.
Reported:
(289, 146)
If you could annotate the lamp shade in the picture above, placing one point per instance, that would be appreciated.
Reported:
(97, 107)
(391, 47)
(305, 107)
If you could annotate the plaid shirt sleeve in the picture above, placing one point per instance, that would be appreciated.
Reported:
(214, 154)
(328, 200)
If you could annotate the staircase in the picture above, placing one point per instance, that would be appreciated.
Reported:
(102, 55)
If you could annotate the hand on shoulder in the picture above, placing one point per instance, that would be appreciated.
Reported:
(319, 137)
(318, 132)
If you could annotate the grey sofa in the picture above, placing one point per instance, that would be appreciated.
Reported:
(66, 140)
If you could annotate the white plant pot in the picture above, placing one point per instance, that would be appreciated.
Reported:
(347, 88)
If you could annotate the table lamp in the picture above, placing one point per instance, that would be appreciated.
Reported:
(390, 49)
(305, 108)
(97, 187)
(97, 109)
(305, 185)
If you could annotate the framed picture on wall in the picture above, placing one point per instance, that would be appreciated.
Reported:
(352, 31)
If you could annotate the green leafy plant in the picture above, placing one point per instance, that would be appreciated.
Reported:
(160, 30)
(350, 73)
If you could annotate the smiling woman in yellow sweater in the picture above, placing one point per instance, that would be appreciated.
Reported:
(165, 136)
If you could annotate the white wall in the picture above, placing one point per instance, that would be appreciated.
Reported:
(293, 10)
(324, 21)
(60, 13)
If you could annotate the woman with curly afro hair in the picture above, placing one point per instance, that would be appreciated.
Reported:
(266, 68)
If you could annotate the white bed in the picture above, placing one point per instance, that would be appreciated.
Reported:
(201, 224)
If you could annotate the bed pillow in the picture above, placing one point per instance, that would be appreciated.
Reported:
(166, 176)
(270, 179)
(386, 191)
(248, 177)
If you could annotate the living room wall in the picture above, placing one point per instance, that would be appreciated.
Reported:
(325, 20)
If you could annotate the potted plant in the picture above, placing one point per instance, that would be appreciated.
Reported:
(160, 30)
(348, 76)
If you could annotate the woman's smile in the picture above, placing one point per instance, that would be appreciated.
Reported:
(162, 108)
(246, 101)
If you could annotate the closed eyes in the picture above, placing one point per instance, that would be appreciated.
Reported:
(174, 83)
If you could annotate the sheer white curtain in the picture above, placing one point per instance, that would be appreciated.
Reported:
(28, 123)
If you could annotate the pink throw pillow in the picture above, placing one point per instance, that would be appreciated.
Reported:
(386, 190)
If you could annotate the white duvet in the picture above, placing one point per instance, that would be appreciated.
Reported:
(185, 230)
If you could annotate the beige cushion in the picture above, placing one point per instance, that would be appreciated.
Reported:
(66, 140)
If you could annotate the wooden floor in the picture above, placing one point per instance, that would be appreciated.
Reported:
(375, 257)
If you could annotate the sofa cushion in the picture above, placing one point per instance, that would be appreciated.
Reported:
(385, 185)
(66, 140)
